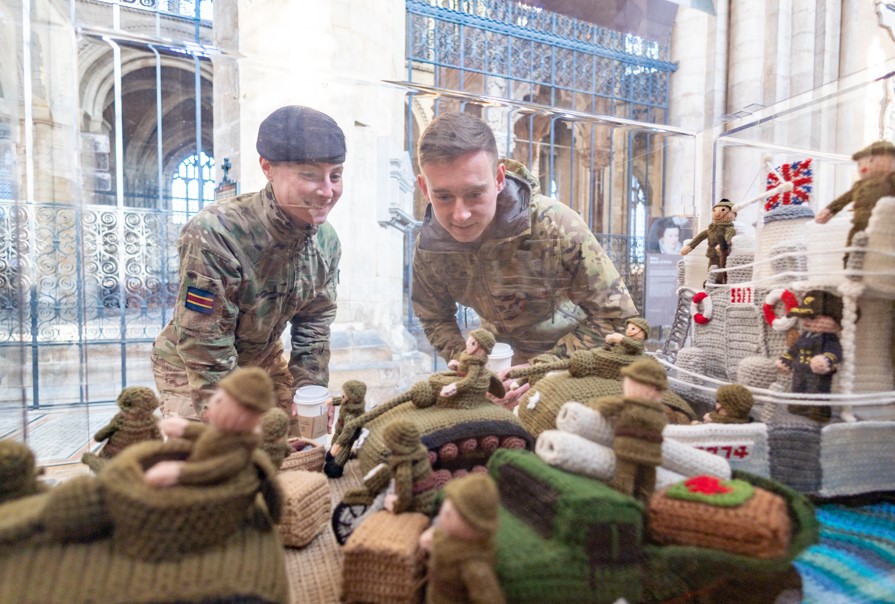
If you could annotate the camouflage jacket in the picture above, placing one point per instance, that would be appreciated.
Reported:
(538, 278)
(245, 270)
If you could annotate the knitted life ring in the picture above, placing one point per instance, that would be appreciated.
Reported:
(770, 302)
(705, 315)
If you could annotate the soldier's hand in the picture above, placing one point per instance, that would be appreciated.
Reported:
(453, 364)
(614, 338)
(511, 399)
(823, 216)
(330, 415)
(820, 365)
(390, 500)
(686, 250)
(449, 390)
(163, 474)
(173, 427)
(426, 539)
(782, 367)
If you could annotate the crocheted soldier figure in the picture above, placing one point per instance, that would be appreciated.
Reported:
(717, 237)
(351, 405)
(135, 423)
(18, 474)
(461, 544)
(815, 356)
(636, 332)
(408, 462)
(275, 435)
(876, 173)
(638, 417)
(475, 377)
(732, 406)
(222, 449)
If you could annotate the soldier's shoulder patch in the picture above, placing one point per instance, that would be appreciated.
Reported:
(199, 300)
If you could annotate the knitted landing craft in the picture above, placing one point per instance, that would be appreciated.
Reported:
(18, 474)
(274, 435)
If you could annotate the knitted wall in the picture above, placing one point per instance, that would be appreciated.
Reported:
(782, 225)
(741, 336)
(739, 273)
(819, 240)
(711, 337)
(857, 458)
(872, 351)
(880, 239)
(794, 444)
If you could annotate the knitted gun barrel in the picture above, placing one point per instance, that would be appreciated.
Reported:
(576, 454)
(588, 423)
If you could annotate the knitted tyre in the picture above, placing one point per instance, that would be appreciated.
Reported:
(153, 523)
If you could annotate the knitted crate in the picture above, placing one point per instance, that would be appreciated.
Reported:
(307, 506)
(744, 446)
(857, 458)
(759, 527)
(383, 562)
(310, 460)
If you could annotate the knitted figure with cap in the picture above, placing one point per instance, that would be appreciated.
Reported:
(471, 366)
(415, 487)
(636, 332)
(732, 406)
(134, 423)
(275, 435)
(717, 236)
(876, 173)
(18, 474)
(638, 417)
(814, 357)
(461, 543)
(223, 448)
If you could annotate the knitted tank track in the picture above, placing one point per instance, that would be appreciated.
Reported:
(440, 425)
(540, 405)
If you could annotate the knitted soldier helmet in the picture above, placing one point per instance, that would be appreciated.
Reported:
(401, 437)
(736, 400)
(355, 390)
(818, 302)
(274, 424)
(485, 338)
(647, 371)
(251, 387)
(641, 323)
(137, 398)
(875, 148)
(18, 476)
(476, 499)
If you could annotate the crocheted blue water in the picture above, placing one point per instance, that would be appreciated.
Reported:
(854, 561)
(788, 213)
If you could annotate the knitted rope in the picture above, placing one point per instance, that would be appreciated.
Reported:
(847, 339)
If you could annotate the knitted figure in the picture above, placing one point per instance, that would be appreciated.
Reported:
(135, 423)
(717, 236)
(18, 474)
(351, 405)
(415, 486)
(275, 435)
(224, 448)
(734, 402)
(639, 419)
(636, 331)
(462, 544)
(816, 354)
(876, 172)
(471, 366)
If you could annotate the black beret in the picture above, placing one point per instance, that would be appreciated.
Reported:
(296, 133)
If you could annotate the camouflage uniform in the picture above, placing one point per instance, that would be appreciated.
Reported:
(539, 280)
(245, 270)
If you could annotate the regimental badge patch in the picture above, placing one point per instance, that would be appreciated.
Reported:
(199, 300)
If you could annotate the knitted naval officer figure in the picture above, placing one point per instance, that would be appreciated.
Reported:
(475, 377)
(18, 474)
(636, 332)
(223, 447)
(638, 417)
(717, 236)
(134, 423)
(275, 435)
(461, 544)
(733, 404)
(408, 461)
(815, 356)
(876, 173)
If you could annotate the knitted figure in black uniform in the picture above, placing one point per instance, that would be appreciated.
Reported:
(224, 448)
(816, 354)
(135, 423)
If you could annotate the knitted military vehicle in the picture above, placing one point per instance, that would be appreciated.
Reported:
(135, 423)
(586, 542)
(18, 474)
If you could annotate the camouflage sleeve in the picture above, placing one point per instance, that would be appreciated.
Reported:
(205, 314)
(309, 360)
(596, 287)
(840, 202)
(437, 311)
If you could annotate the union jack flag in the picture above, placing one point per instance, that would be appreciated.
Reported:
(800, 175)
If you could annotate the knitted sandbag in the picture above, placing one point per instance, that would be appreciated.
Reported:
(576, 454)
(743, 446)
(584, 421)
(167, 523)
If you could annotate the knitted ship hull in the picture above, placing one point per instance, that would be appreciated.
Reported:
(748, 331)
(585, 542)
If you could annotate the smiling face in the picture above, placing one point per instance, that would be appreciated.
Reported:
(306, 192)
(463, 193)
(722, 214)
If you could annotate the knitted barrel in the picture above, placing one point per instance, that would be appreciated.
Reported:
(306, 455)
(576, 454)
(167, 523)
(307, 508)
(383, 561)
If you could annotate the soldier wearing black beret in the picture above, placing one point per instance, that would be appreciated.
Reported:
(253, 263)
